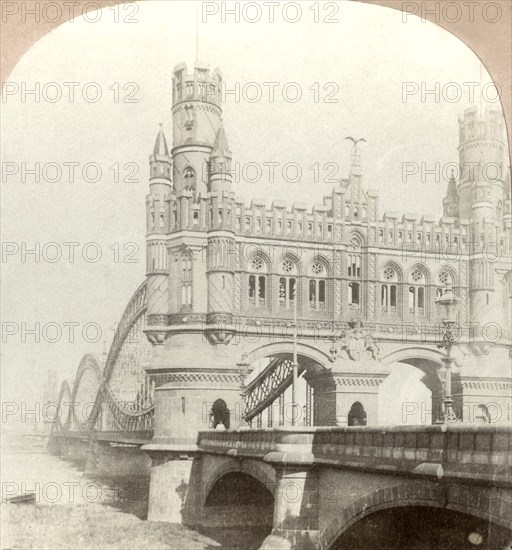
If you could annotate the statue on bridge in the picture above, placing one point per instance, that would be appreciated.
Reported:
(355, 343)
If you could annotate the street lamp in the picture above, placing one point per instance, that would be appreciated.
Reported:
(448, 306)
(243, 369)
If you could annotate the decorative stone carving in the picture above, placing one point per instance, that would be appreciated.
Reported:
(355, 343)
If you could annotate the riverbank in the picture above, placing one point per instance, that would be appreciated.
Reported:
(99, 527)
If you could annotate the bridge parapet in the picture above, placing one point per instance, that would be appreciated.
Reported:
(480, 453)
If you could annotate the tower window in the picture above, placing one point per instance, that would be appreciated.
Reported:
(389, 291)
(353, 294)
(189, 177)
(257, 283)
(317, 287)
(417, 294)
(196, 218)
(287, 288)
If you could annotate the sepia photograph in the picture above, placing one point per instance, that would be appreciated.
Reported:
(256, 275)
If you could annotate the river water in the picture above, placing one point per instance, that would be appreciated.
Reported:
(79, 511)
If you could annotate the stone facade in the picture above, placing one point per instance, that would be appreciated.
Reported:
(224, 278)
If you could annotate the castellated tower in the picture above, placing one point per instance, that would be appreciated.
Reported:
(481, 198)
(196, 117)
(157, 223)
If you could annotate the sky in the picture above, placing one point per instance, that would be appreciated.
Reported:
(361, 63)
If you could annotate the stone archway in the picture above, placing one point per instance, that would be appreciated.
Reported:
(269, 399)
(427, 362)
(472, 500)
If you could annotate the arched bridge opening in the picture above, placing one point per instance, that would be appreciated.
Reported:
(238, 499)
(422, 527)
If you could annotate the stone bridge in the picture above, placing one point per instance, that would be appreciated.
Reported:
(309, 486)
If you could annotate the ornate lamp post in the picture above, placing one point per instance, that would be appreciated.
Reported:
(243, 369)
(448, 305)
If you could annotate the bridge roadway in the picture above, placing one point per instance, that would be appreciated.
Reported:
(323, 480)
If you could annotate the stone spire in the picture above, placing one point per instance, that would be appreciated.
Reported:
(451, 200)
(161, 149)
(220, 163)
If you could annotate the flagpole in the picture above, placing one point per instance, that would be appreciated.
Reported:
(198, 3)
(295, 364)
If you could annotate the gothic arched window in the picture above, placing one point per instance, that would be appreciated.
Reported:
(287, 285)
(388, 291)
(417, 293)
(317, 287)
(257, 287)
(445, 281)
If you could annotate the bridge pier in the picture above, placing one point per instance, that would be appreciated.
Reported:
(295, 507)
(175, 487)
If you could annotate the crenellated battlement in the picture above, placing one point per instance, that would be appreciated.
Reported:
(200, 85)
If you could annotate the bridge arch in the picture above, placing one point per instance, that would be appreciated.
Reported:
(85, 391)
(471, 501)
(260, 471)
(64, 408)
(277, 348)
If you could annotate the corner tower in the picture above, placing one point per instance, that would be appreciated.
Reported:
(196, 118)
(481, 196)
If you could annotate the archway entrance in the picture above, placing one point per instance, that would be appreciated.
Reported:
(219, 415)
(269, 398)
(412, 393)
(422, 528)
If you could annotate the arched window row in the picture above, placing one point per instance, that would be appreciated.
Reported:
(415, 292)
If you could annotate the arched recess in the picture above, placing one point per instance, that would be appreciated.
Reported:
(427, 361)
(416, 494)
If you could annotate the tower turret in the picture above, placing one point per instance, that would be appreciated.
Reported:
(196, 114)
(220, 164)
(157, 208)
(451, 200)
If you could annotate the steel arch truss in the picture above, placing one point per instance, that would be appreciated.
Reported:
(269, 385)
